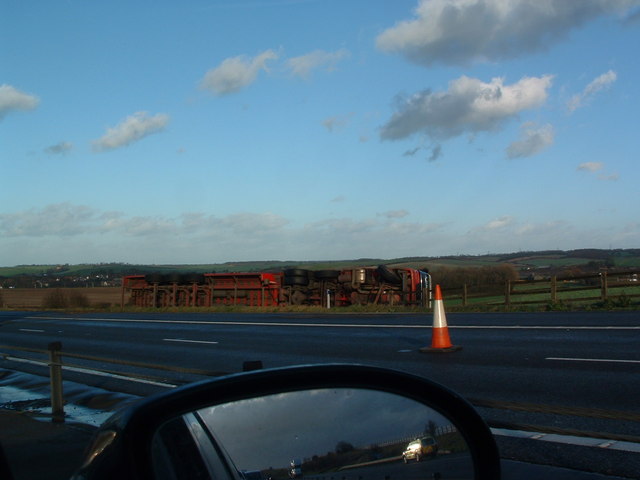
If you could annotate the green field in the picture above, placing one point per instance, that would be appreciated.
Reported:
(629, 258)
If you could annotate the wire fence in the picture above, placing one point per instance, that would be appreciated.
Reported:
(607, 287)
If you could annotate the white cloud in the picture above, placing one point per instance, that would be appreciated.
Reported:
(249, 223)
(633, 18)
(394, 214)
(303, 65)
(65, 219)
(533, 140)
(336, 122)
(59, 148)
(540, 229)
(62, 219)
(411, 152)
(139, 226)
(498, 223)
(469, 105)
(130, 130)
(12, 99)
(614, 177)
(464, 31)
(436, 153)
(236, 73)
(591, 166)
(602, 82)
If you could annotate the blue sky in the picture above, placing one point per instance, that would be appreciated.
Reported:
(211, 131)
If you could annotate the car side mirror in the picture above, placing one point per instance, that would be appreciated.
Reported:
(328, 422)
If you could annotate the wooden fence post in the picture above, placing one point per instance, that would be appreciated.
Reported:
(464, 295)
(604, 286)
(507, 293)
(554, 289)
(55, 378)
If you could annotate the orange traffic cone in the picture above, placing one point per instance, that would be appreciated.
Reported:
(440, 341)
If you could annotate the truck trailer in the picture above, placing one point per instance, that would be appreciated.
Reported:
(293, 286)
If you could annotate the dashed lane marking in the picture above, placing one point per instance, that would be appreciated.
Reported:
(181, 340)
(600, 360)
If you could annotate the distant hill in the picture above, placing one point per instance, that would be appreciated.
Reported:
(550, 260)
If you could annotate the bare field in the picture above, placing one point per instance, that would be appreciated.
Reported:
(33, 297)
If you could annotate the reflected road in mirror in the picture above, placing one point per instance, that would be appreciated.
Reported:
(325, 434)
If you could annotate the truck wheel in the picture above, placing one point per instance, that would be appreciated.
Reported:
(326, 274)
(296, 272)
(296, 280)
(154, 278)
(174, 278)
(193, 278)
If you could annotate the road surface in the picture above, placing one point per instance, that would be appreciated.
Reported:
(576, 361)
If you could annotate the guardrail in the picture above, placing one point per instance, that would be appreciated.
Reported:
(618, 287)
(55, 363)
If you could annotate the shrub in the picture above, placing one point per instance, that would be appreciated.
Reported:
(622, 301)
(55, 299)
(78, 299)
(558, 306)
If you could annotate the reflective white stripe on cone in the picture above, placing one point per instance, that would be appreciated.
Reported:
(440, 340)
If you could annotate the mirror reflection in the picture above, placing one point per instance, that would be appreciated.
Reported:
(323, 434)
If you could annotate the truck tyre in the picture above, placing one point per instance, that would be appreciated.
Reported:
(193, 278)
(296, 280)
(388, 275)
(296, 272)
(326, 274)
(154, 278)
(175, 278)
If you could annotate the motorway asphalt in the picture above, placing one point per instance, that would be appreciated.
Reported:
(506, 357)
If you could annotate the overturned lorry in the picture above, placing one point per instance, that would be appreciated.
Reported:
(294, 286)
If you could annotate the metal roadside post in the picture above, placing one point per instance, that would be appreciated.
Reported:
(55, 373)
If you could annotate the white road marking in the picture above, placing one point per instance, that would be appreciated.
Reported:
(602, 360)
(258, 324)
(34, 330)
(188, 341)
(570, 440)
(340, 325)
(93, 372)
(545, 327)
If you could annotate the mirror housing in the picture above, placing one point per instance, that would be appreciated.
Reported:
(122, 447)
